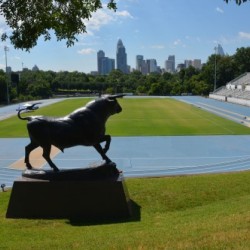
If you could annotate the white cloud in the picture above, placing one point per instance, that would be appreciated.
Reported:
(177, 42)
(244, 35)
(123, 13)
(104, 17)
(158, 46)
(218, 9)
(98, 19)
(87, 51)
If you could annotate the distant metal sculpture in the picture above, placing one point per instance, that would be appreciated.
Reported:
(28, 106)
(85, 126)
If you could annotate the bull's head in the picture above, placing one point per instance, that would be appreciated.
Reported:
(114, 105)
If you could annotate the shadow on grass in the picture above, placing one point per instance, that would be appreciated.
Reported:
(135, 216)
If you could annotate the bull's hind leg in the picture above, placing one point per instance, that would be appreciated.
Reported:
(28, 149)
(46, 155)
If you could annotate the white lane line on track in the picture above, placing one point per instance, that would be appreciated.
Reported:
(223, 114)
(223, 110)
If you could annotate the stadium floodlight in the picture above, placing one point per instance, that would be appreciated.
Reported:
(7, 78)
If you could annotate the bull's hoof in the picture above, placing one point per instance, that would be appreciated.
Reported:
(29, 166)
(111, 163)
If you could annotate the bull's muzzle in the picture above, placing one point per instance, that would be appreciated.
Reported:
(119, 109)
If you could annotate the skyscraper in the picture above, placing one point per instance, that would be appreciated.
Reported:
(219, 50)
(121, 57)
(170, 64)
(100, 56)
(107, 66)
(139, 62)
(104, 64)
(197, 63)
(152, 65)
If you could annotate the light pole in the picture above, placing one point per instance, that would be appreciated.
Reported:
(7, 78)
(215, 68)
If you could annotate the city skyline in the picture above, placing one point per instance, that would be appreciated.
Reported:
(105, 65)
(155, 29)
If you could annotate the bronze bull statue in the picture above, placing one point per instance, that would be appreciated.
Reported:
(85, 126)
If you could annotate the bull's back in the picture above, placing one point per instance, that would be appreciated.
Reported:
(65, 132)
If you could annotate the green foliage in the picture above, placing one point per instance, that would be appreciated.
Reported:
(242, 60)
(31, 19)
(3, 97)
(239, 2)
(191, 212)
(40, 89)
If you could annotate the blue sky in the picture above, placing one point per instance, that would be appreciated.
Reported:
(188, 29)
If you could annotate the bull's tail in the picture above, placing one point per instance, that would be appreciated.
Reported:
(28, 118)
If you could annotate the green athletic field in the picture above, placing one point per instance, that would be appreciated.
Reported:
(141, 117)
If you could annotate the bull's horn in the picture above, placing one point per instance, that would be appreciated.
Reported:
(116, 96)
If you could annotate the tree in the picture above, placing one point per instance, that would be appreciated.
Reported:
(31, 19)
(237, 1)
(40, 89)
(242, 60)
(2, 87)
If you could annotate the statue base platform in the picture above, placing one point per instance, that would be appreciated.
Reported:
(80, 193)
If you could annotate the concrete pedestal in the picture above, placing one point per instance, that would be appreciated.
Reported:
(85, 199)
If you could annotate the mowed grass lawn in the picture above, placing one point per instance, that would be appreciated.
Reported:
(141, 117)
(193, 212)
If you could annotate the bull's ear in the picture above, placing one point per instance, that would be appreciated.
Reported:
(116, 96)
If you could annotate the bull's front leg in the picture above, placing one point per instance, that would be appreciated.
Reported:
(107, 139)
(46, 155)
(100, 150)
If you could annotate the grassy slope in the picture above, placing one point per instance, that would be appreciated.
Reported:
(142, 117)
(194, 212)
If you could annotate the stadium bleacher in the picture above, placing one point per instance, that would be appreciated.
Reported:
(235, 91)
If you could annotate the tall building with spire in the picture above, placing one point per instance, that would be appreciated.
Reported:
(121, 57)
(219, 50)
